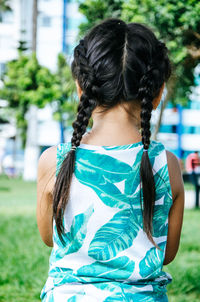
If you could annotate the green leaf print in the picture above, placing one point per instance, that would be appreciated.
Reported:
(115, 297)
(109, 194)
(144, 297)
(133, 181)
(100, 164)
(161, 179)
(112, 287)
(63, 276)
(101, 172)
(154, 150)
(118, 268)
(114, 236)
(160, 222)
(75, 237)
(61, 154)
(150, 266)
(48, 297)
(76, 298)
(126, 292)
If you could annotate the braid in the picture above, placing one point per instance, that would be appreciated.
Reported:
(145, 91)
(115, 63)
(85, 108)
(84, 111)
(87, 103)
(146, 173)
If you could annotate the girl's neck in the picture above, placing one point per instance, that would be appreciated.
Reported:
(114, 127)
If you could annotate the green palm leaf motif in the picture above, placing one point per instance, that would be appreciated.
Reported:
(160, 223)
(151, 264)
(102, 177)
(114, 297)
(66, 275)
(112, 287)
(162, 182)
(76, 298)
(128, 292)
(144, 297)
(63, 275)
(154, 150)
(118, 268)
(133, 181)
(74, 238)
(112, 168)
(61, 154)
(114, 236)
(48, 299)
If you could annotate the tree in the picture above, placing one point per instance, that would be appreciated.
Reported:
(32, 148)
(97, 10)
(26, 83)
(4, 5)
(64, 93)
(177, 23)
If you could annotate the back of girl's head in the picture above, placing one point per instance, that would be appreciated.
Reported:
(116, 63)
(114, 59)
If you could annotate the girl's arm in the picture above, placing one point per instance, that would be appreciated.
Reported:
(177, 209)
(45, 184)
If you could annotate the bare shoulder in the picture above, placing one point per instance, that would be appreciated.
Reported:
(177, 208)
(47, 166)
(175, 174)
(48, 156)
(45, 185)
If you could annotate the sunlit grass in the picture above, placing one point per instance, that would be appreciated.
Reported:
(24, 258)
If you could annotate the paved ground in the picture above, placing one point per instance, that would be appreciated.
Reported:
(189, 199)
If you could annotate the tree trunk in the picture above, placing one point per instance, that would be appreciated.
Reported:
(32, 149)
(34, 25)
(170, 91)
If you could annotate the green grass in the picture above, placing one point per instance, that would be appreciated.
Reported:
(188, 186)
(24, 258)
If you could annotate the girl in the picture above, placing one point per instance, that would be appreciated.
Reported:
(114, 214)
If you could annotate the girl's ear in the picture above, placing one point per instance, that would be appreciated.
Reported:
(157, 100)
(79, 90)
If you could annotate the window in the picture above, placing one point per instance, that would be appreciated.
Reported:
(46, 21)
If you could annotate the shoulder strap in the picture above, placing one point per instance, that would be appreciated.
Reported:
(62, 150)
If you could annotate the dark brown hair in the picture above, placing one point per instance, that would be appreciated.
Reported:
(115, 62)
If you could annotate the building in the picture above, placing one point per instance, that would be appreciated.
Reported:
(180, 129)
(57, 29)
(58, 22)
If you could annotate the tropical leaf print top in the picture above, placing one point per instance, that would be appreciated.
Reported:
(106, 255)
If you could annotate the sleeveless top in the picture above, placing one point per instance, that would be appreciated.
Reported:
(107, 255)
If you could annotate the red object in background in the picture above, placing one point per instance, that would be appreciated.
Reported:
(191, 160)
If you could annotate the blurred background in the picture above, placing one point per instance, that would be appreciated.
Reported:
(38, 102)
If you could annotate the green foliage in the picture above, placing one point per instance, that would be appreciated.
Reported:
(177, 23)
(96, 10)
(64, 90)
(4, 5)
(26, 82)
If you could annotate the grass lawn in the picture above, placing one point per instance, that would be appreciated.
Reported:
(24, 258)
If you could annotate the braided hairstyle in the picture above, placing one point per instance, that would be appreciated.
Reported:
(115, 63)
